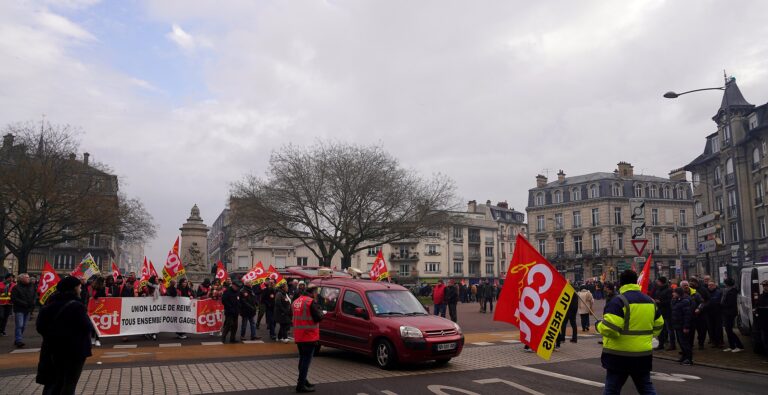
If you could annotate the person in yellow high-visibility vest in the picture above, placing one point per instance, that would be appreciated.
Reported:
(630, 321)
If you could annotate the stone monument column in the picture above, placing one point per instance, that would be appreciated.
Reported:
(194, 247)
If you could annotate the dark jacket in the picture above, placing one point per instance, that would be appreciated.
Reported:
(66, 331)
(23, 298)
(230, 302)
(268, 298)
(730, 302)
(172, 291)
(664, 295)
(283, 313)
(248, 304)
(451, 294)
(762, 311)
(573, 308)
(185, 292)
(128, 291)
(714, 305)
(682, 313)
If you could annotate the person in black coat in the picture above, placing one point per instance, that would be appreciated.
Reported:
(662, 295)
(729, 305)
(268, 304)
(451, 298)
(66, 330)
(231, 311)
(682, 321)
(283, 314)
(714, 312)
(570, 316)
(248, 306)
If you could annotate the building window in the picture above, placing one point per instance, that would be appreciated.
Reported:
(594, 191)
(595, 216)
(577, 219)
(489, 269)
(752, 121)
(759, 193)
(432, 249)
(639, 191)
(684, 241)
(657, 242)
(697, 208)
(718, 175)
(665, 192)
(763, 230)
(489, 252)
(542, 247)
(682, 193)
(577, 248)
(559, 221)
(433, 233)
(93, 240)
(719, 204)
(64, 262)
(732, 204)
(373, 251)
(596, 244)
(617, 215)
(575, 194)
(458, 233)
(620, 241)
(474, 235)
(539, 223)
(729, 176)
(734, 233)
(302, 261)
(727, 135)
(654, 191)
(557, 197)
(560, 246)
(654, 216)
(755, 158)
(474, 268)
(683, 220)
(696, 179)
(458, 267)
(432, 267)
(616, 189)
(539, 199)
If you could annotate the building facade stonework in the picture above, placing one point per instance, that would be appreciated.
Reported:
(582, 224)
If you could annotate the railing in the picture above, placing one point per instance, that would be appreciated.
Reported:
(576, 226)
(732, 211)
(489, 240)
(474, 257)
(755, 165)
(458, 256)
(405, 257)
(730, 178)
(474, 239)
(458, 239)
(758, 200)
(432, 253)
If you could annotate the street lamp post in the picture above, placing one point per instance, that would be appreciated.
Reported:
(739, 224)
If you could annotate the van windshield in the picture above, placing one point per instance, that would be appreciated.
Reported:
(395, 303)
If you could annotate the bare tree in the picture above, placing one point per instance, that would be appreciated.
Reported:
(49, 197)
(343, 198)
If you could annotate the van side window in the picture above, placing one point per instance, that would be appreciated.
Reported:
(352, 300)
(327, 297)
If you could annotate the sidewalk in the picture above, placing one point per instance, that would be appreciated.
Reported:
(745, 361)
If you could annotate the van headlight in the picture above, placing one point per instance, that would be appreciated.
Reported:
(410, 332)
(458, 328)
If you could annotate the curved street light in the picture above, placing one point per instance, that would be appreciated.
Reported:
(673, 95)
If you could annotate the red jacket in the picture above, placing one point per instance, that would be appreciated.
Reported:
(438, 294)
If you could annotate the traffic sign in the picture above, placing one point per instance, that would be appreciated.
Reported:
(637, 209)
(639, 245)
(638, 229)
(707, 246)
(713, 216)
(708, 231)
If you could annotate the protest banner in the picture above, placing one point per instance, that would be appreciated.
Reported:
(645, 275)
(221, 272)
(255, 276)
(535, 298)
(48, 281)
(86, 268)
(274, 275)
(137, 316)
(379, 269)
(173, 268)
(115, 271)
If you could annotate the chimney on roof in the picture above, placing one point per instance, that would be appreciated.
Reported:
(625, 170)
(86, 156)
(472, 206)
(503, 204)
(488, 202)
(677, 175)
(8, 140)
(561, 175)
(541, 181)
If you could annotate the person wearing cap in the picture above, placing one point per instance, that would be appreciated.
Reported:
(306, 331)
(762, 314)
(66, 331)
(730, 309)
(300, 290)
(231, 311)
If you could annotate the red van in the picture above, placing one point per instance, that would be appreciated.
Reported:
(385, 321)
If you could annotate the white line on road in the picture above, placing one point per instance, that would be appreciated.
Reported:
(212, 343)
(125, 346)
(25, 351)
(509, 383)
(170, 344)
(388, 392)
(560, 376)
(253, 341)
(482, 344)
(511, 341)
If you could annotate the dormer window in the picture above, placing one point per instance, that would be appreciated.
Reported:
(576, 194)
(639, 191)
(539, 200)
(616, 189)
(654, 191)
(594, 191)
(557, 197)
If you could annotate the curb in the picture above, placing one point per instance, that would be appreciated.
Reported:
(712, 365)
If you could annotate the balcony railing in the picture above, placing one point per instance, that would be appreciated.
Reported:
(475, 240)
(432, 253)
(474, 257)
(458, 256)
(755, 165)
(489, 240)
(730, 178)
(405, 257)
(758, 200)
(732, 211)
(577, 225)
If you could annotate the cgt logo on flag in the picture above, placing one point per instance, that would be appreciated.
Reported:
(535, 298)
(105, 314)
(210, 315)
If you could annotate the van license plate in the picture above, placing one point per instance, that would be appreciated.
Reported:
(446, 346)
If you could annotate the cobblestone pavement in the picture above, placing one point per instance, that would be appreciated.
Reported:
(214, 377)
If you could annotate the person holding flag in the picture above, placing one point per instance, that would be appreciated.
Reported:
(629, 323)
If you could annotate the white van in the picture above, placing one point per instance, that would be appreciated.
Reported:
(749, 290)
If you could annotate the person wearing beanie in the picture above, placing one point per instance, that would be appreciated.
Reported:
(66, 331)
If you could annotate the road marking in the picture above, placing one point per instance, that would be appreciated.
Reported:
(686, 376)
(123, 354)
(25, 351)
(170, 345)
(212, 343)
(511, 341)
(438, 390)
(253, 341)
(559, 376)
(482, 344)
(388, 392)
(125, 346)
(509, 383)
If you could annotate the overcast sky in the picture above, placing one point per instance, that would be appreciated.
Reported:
(183, 97)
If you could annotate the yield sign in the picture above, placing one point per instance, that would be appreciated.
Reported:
(639, 245)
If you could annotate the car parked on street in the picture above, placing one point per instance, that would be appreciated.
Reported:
(385, 321)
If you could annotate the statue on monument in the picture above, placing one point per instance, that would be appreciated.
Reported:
(195, 261)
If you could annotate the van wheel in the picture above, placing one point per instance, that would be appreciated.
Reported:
(442, 362)
(385, 354)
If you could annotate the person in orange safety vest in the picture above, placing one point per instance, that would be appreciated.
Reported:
(307, 314)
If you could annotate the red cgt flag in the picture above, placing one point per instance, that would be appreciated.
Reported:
(535, 298)
(644, 277)
(379, 269)
(274, 275)
(221, 271)
(48, 281)
(115, 271)
(254, 276)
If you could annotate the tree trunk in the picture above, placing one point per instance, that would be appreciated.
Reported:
(346, 261)
(23, 259)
